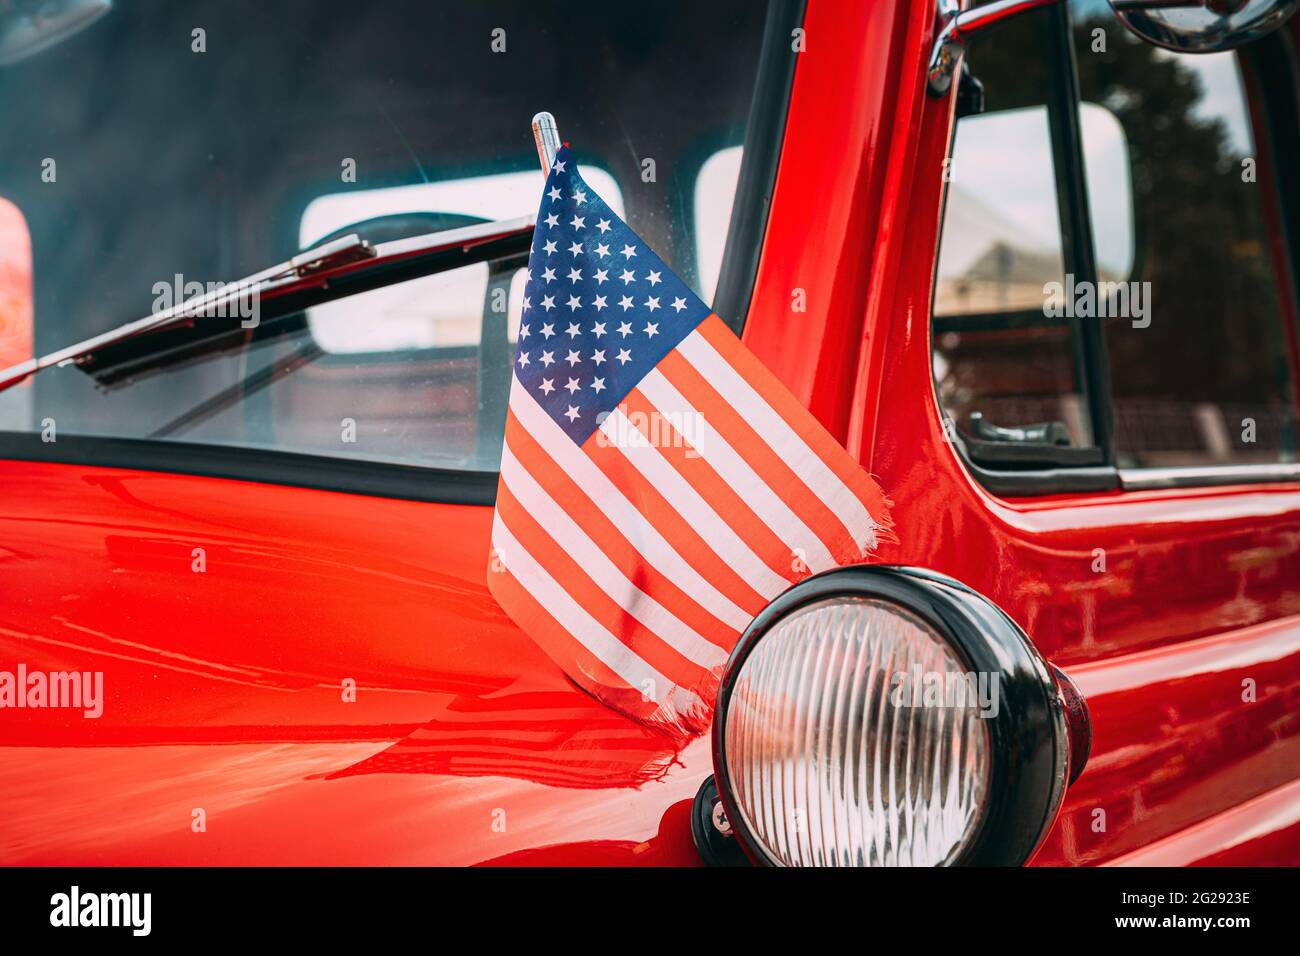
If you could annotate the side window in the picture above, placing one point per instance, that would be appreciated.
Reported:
(1009, 373)
(1201, 373)
(1113, 283)
(715, 194)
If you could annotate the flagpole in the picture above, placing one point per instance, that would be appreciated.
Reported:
(547, 138)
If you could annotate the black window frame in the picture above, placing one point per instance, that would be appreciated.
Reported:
(1275, 65)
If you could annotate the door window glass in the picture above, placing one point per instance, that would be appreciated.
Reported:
(1000, 361)
(1204, 377)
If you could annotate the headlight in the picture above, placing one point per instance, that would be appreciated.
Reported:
(889, 717)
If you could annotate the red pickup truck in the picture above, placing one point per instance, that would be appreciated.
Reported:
(1034, 271)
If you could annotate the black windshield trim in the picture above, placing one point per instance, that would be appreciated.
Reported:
(764, 138)
(240, 463)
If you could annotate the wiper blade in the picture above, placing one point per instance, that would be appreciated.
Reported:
(348, 249)
(338, 268)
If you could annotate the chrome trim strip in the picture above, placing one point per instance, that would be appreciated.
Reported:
(312, 267)
(465, 236)
(1142, 479)
(958, 28)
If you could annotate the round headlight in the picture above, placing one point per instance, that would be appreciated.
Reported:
(878, 716)
(833, 759)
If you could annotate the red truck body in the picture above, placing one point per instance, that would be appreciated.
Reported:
(467, 745)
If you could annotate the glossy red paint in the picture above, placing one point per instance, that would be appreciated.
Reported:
(466, 745)
(224, 688)
(836, 196)
(1199, 592)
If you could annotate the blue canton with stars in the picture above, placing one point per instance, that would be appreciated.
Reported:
(600, 308)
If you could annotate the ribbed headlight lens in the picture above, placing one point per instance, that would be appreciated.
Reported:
(846, 745)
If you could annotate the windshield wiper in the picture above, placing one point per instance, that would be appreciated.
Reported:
(339, 268)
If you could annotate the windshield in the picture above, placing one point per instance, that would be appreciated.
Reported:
(163, 147)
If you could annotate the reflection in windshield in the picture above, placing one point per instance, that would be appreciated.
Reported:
(211, 159)
(439, 310)
(1204, 245)
(15, 311)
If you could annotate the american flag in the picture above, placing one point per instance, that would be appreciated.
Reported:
(659, 486)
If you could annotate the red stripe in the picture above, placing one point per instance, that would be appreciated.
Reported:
(587, 514)
(579, 663)
(767, 464)
(552, 556)
(715, 491)
(676, 530)
(800, 419)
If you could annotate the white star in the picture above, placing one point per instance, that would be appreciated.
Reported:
(527, 304)
(628, 276)
(573, 385)
(549, 247)
(575, 275)
(548, 302)
(575, 248)
(629, 251)
(603, 225)
(598, 384)
(602, 275)
(523, 359)
(548, 275)
(579, 196)
(548, 359)
(573, 359)
(625, 303)
(559, 165)
(598, 356)
(552, 220)
(598, 329)
(652, 303)
(602, 250)
(578, 222)
(651, 328)
(548, 330)
(653, 278)
(546, 386)
(573, 330)
(554, 193)
(523, 332)
(624, 329)
(679, 304)
(600, 302)
(572, 413)
(574, 303)
(624, 356)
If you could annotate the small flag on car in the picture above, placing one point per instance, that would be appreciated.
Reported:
(658, 486)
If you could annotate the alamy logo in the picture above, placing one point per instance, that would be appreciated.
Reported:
(75, 908)
(946, 689)
(83, 690)
(221, 300)
(1098, 300)
(637, 429)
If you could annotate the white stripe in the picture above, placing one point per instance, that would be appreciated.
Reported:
(656, 550)
(688, 502)
(782, 438)
(571, 616)
(569, 536)
(737, 473)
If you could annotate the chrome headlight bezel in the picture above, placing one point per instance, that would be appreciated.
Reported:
(1029, 737)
